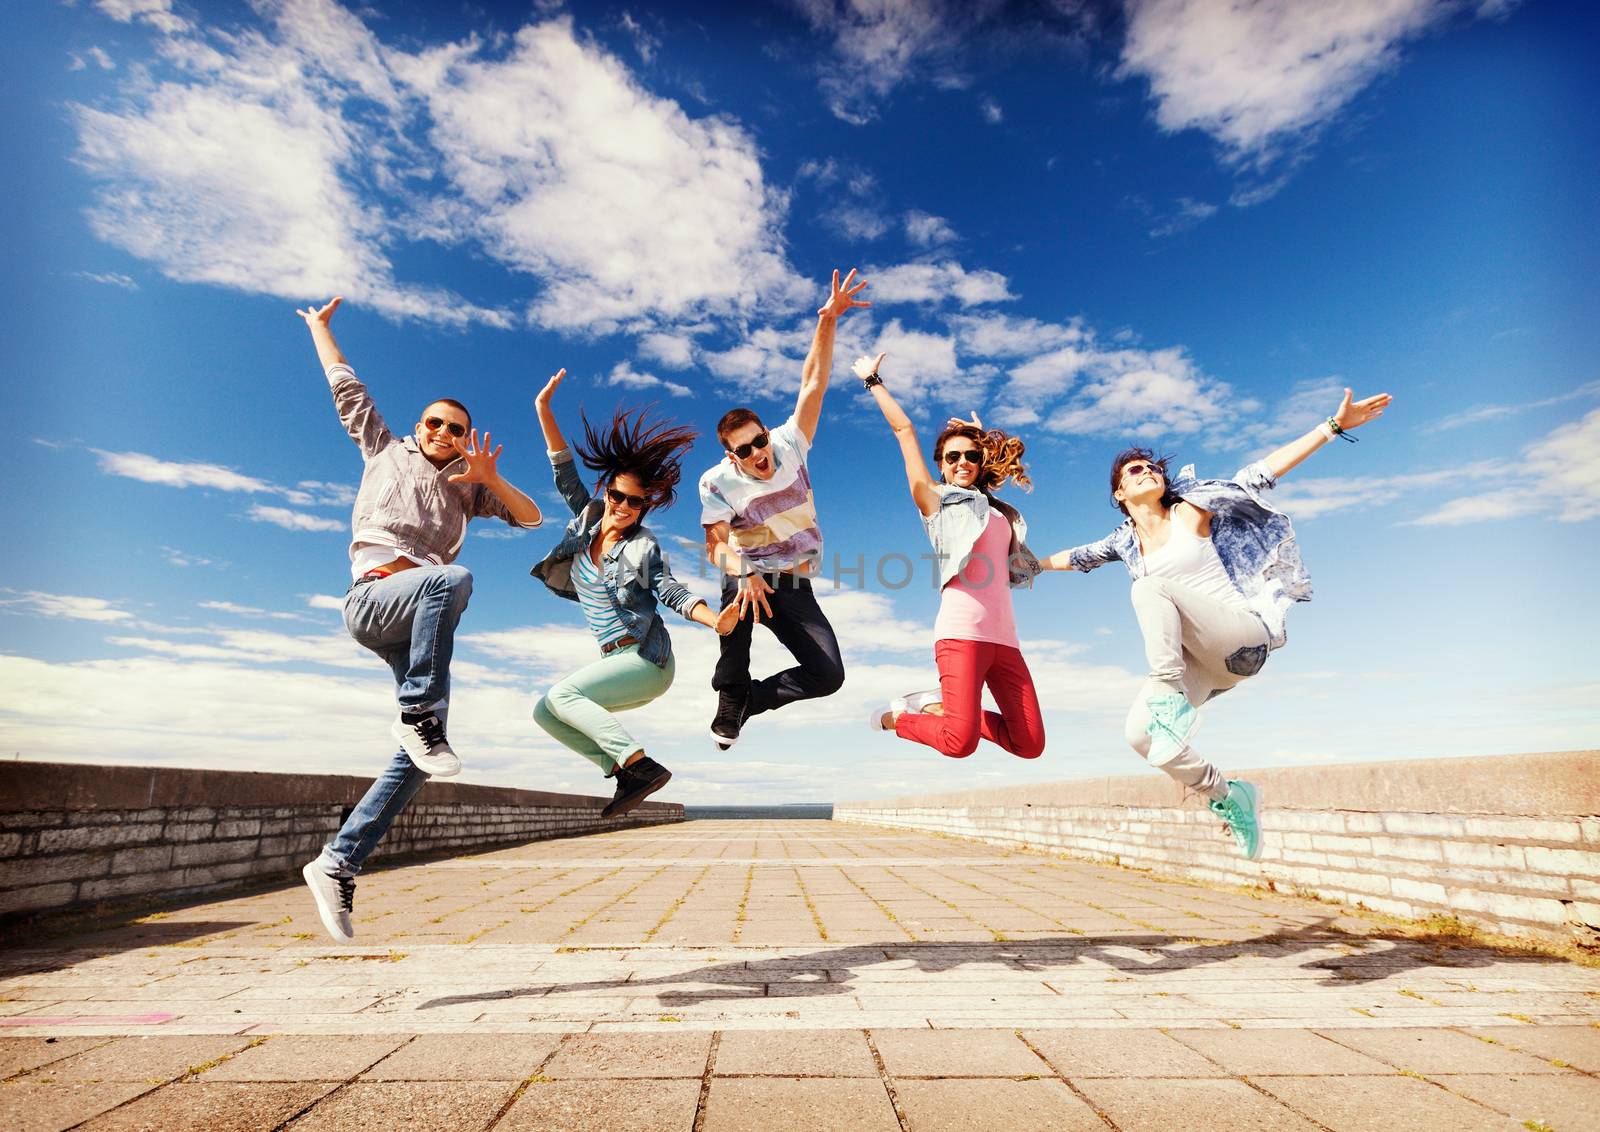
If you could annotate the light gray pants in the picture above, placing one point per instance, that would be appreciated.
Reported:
(1198, 647)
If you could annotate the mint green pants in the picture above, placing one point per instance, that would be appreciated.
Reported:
(577, 711)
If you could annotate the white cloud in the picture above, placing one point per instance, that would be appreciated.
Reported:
(325, 601)
(294, 520)
(991, 110)
(629, 378)
(251, 611)
(152, 469)
(994, 335)
(921, 366)
(1185, 215)
(674, 350)
(879, 44)
(157, 13)
(936, 283)
(110, 279)
(857, 222)
(575, 194)
(1558, 478)
(289, 159)
(176, 557)
(1142, 393)
(1481, 413)
(1257, 75)
(68, 606)
(926, 230)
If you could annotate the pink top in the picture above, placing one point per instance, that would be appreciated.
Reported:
(976, 603)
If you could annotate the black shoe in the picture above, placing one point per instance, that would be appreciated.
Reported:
(732, 711)
(634, 784)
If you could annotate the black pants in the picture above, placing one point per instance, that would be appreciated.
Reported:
(798, 623)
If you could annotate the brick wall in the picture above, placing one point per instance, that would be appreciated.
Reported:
(1510, 842)
(73, 836)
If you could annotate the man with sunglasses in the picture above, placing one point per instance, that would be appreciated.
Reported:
(761, 532)
(416, 497)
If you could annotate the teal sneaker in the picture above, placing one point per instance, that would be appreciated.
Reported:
(1238, 809)
(1172, 722)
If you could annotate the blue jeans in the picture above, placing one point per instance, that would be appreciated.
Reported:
(410, 620)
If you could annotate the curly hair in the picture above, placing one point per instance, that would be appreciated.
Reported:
(650, 451)
(1002, 456)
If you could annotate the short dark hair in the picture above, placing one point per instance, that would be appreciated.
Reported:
(1128, 456)
(735, 418)
(454, 404)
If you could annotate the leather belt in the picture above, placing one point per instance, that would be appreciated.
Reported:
(620, 643)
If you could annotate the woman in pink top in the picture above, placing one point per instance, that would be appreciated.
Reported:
(981, 552)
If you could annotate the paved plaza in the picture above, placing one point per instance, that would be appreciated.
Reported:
(722, 975)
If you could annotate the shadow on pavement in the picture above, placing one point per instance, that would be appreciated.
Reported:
(65, 947)
(1378, 955)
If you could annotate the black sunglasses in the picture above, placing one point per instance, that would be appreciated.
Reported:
(744, 450)
(637, 502)
(455, 428)
(1141, 469)
(972, 455)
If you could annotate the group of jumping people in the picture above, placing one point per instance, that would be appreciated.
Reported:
(1215, 567)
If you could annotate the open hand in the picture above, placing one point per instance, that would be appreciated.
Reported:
(727, 619)
(481, 461)
(315, 316)
(973, 423)
(864, 367)
(844, 295)
(1355, 414)
(753, 591)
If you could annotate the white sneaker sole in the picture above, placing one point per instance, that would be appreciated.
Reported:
(722, 741)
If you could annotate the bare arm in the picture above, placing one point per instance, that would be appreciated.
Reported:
(819, 360)
(483, 467)
(924, 493)
(1349, 416)
(553, 440)
(328, 352)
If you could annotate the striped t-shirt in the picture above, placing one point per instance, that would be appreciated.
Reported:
(598, 607)
(774, 522)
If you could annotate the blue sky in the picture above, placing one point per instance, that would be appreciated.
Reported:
(1157, 221)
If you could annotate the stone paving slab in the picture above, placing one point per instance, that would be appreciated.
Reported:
(732, 975)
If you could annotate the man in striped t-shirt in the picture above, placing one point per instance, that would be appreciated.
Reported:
(761, 532)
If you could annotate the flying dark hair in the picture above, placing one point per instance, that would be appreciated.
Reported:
(632, 444)
(454, 404)
(1128, 456)
(732, 419)
(1002, 456)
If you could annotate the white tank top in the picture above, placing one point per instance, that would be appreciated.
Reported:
(1192, 561)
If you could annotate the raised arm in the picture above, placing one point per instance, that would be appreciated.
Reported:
(819, 360)
(351, 400)
(568, 482)
(924, 492)
(1349, 416)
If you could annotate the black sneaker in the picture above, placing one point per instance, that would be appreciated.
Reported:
(732, 711)
(634, 784)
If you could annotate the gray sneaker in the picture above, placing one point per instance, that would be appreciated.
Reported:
(422, 739)
(335, 896)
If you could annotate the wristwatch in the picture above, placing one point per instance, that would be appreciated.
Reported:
(870, 380)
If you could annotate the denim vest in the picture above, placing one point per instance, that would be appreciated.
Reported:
(1254, 540)
(954, 530)
(635, 570)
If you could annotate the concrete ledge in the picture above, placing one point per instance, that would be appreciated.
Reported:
(73, 836)
(1510, 842)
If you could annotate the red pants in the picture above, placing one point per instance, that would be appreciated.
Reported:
(964, 668)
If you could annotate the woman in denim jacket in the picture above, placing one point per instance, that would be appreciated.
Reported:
(1215, 568)
(612, 565)
(981, 554)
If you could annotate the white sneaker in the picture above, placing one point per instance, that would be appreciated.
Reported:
(896, 708)
(335, 896)
(921, 701)
(424, 742)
